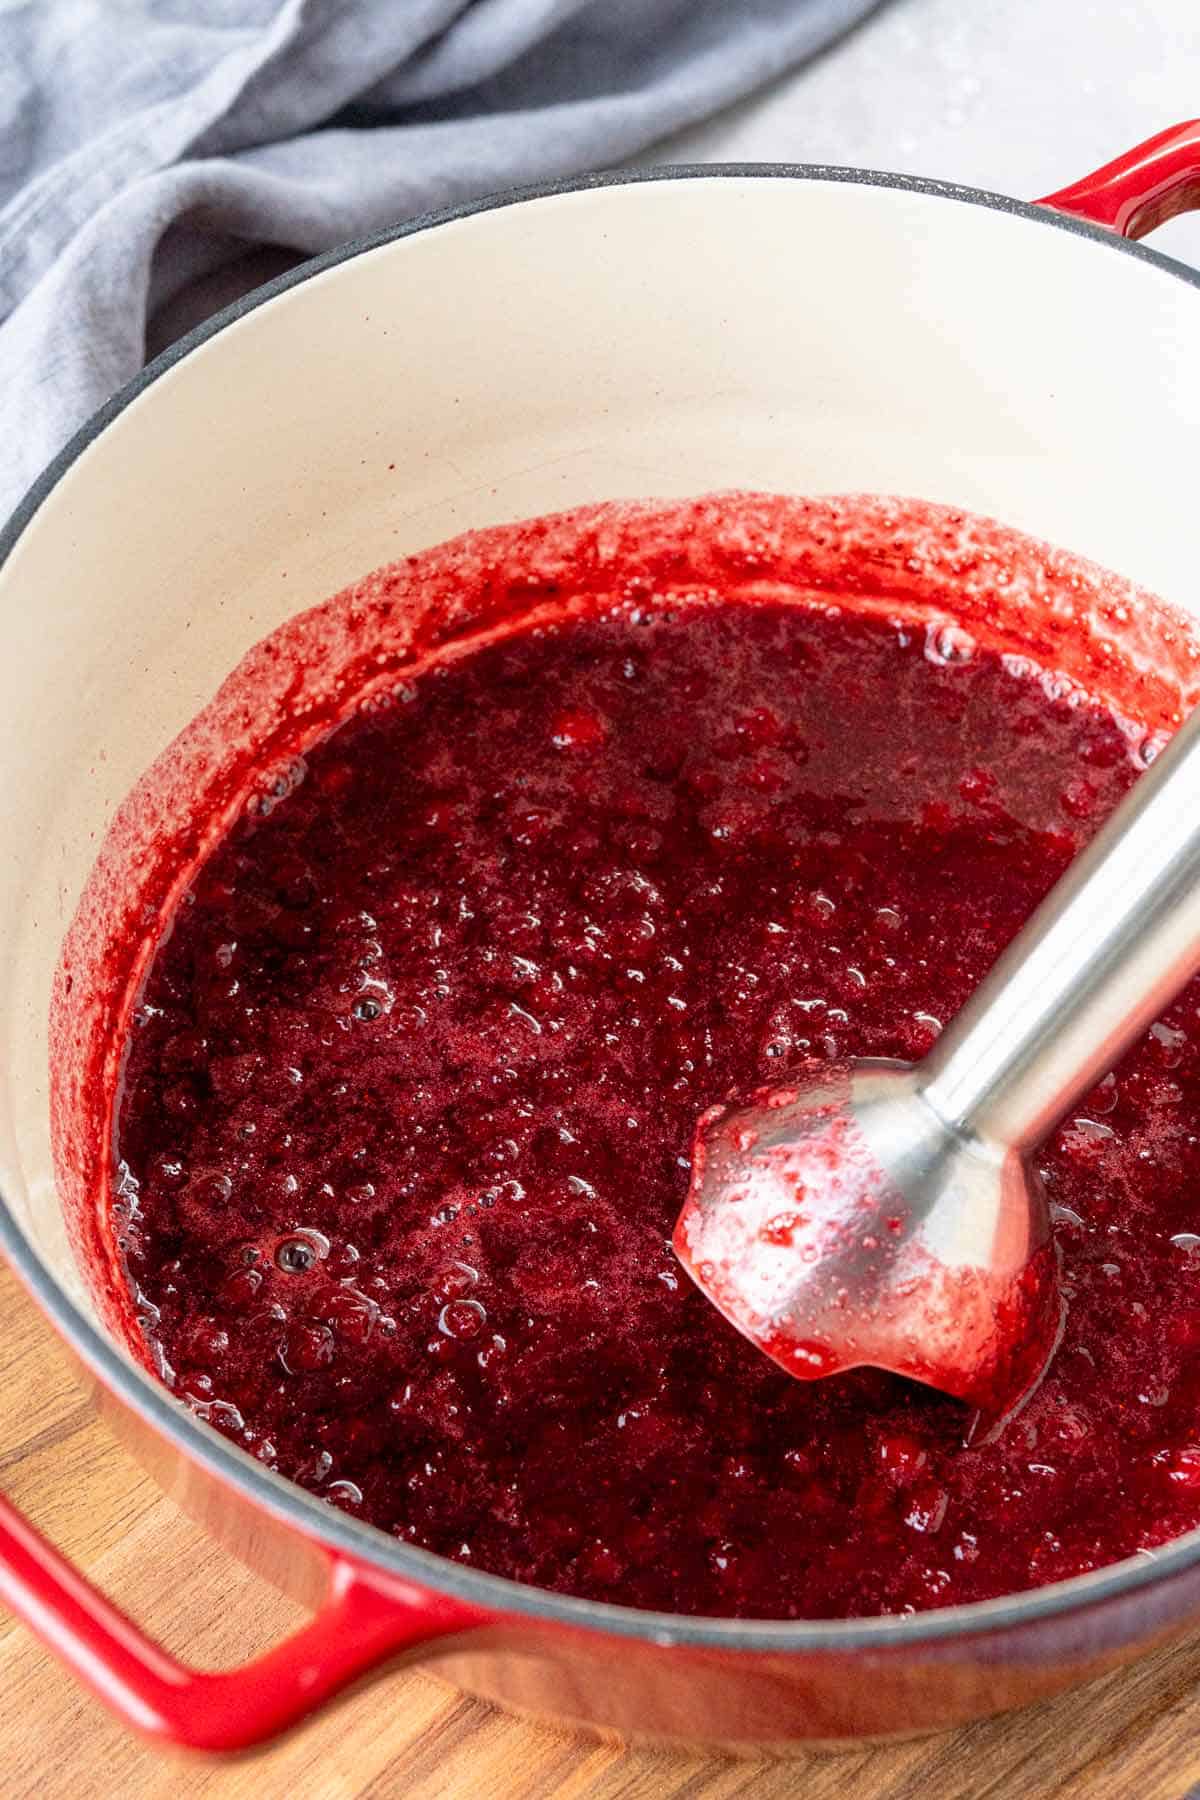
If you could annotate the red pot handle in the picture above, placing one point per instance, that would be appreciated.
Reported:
(359, 1625)
(1142, 189)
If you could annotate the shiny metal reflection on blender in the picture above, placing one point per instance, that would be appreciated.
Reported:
(1110, 946)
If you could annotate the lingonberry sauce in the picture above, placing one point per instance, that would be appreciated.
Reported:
(409, 1092)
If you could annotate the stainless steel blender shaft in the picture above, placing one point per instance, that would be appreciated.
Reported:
(1109, 947)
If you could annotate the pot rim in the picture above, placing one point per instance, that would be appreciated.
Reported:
(335, 1530)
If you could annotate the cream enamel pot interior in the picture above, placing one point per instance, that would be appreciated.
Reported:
(806, 330)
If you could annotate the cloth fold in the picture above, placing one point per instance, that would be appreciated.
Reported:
(146, 142)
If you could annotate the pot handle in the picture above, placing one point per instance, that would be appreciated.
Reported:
(1142, 189)
(359, 1625)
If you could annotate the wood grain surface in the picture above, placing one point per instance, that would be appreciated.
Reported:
(1133, 1736)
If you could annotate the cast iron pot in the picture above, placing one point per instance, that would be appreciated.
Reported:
(799, 329)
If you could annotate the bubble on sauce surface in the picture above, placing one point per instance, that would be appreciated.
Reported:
(948, 645)
(301, 1252)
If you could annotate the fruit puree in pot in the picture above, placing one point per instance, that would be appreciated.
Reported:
(411, 1075)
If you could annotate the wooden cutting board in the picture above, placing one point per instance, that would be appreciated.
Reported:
(1133, 1736)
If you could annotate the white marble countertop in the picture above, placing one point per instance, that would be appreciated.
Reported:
(1019, 96)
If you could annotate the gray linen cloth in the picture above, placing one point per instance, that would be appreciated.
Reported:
(145, 144)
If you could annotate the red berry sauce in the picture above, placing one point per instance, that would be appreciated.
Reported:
(413, 1075)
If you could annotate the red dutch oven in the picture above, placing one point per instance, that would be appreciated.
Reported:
(676, 331)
